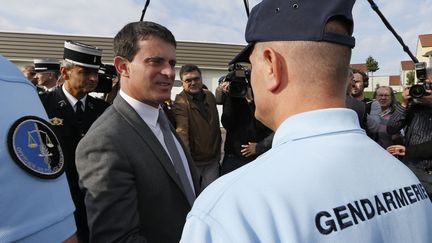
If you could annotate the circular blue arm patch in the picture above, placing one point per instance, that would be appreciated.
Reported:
(35, 148)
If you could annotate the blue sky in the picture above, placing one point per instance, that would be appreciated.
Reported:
(216, 21)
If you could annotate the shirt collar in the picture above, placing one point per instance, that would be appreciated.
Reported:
(317, 122)
(148, 113)
(72, 100)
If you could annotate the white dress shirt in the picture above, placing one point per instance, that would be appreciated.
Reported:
(149, 114)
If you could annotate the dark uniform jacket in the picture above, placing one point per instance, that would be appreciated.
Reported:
(69, 132)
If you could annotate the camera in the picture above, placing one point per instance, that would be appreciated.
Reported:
(239, 77)
(106, 74)
(419, 90)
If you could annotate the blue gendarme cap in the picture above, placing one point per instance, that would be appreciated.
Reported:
(302, 20)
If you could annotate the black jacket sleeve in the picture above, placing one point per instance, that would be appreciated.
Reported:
(421, 151)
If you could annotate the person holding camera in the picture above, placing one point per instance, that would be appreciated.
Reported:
(414, 115)
(72, 111)
(246, 137)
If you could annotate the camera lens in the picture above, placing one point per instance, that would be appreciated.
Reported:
(417, 91)
(238, 89)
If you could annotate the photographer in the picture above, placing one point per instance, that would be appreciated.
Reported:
(415, 116)
(246, 137)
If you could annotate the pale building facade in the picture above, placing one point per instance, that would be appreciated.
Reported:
(424, 49)
(212, 58)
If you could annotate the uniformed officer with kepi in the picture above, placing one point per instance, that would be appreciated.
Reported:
(72, 111)
(47, 73)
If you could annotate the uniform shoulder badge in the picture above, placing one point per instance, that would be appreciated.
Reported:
(35, 148)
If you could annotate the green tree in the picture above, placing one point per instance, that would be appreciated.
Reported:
(410, 77)
(371, 66)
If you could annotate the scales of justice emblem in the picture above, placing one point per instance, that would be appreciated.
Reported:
(43, 144)
(35, 148)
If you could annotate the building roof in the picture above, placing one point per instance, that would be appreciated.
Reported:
(360, 66)
(407, 65)
(427, 54)
(25, 47)
(394, 80)
(426, 40)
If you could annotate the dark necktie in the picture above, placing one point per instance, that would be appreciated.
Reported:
(175, 156)
(79, 113)
(78, 106)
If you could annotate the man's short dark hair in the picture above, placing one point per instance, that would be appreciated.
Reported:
(187, 68)
(363, 74)
(126, 40)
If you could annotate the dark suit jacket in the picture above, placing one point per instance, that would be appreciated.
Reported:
(132, 191)
(65, 125)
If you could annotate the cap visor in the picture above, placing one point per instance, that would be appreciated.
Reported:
(243, 56)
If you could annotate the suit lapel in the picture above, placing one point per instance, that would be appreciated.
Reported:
(147, 136)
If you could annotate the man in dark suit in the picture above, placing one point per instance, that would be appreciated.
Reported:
(71, 112)
(138, 188)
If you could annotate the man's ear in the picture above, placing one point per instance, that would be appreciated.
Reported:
(121, 65)
(273, 62)
(64, 73)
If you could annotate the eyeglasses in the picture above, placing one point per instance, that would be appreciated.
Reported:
(383, 95)
(189, 80)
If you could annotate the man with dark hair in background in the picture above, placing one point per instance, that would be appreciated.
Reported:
(323, 180)
(360, 82)
(197, 122)
(354, 104)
